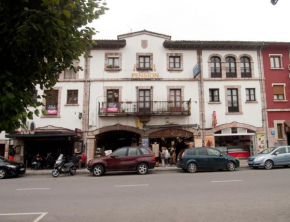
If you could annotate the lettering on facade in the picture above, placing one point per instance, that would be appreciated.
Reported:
(144, 75)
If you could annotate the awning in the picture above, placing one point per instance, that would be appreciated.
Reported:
(40, 135)
(287, 126)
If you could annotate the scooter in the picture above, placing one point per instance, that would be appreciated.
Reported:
(61, 167)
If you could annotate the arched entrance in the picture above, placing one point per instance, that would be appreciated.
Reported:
(112, 140)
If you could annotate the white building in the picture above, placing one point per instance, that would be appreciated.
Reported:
(141, 87)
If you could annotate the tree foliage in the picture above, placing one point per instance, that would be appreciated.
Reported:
(39, 39)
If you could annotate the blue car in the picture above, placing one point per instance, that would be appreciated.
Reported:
(268, 158)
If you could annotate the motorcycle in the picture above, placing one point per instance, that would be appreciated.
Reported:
(61, 167)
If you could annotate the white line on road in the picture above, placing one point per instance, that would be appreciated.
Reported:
(137, 185)
(34, 189)
(225, 181)
(20, 214)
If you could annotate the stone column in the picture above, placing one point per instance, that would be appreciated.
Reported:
(90, 147)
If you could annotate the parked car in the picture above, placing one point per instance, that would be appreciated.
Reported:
(270, 157)
(124, 159)
(10, 168)
(205, 158)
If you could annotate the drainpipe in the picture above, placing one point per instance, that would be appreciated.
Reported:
(201, 93)
(264, 102)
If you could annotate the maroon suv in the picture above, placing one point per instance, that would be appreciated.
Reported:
(123, 159)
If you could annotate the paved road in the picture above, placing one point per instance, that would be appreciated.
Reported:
(243, 195)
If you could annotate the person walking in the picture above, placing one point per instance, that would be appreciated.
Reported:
(82, 160)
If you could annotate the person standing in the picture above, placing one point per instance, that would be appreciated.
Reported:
(163, 156)
(83, 159)
(179, 146)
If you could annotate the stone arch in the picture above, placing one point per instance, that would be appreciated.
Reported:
(232, 55)
(215, 55)
(246, 55)
(116, 127)
(234, 124)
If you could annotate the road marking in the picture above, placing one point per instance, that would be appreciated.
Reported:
(226, 181)
(137, 185)
(20, 214)
(34, 189)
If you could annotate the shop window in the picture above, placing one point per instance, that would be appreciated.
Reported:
(231, 71)
(72, 97)
(233, 100)
(275, 61)
(279, 131)
(144, 100)
(214, 95)
(250, 94)
(112, 100)
(175, 100)
(278, 91)
(245, 67)
(51, 102)
(215, 65)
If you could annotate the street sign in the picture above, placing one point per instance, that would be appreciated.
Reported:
(196, 70)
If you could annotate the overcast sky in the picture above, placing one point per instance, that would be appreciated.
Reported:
(249, 20)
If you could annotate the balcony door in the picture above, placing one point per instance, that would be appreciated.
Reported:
(112, 101)
(175, 100)
(144, 100)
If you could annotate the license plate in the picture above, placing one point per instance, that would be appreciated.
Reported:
(22, 169)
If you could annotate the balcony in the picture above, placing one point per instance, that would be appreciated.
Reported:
(149, 108)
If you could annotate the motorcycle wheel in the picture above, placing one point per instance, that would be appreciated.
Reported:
(55, 173)
(72, 172)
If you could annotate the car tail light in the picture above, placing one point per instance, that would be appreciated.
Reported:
(182, 155)
(153, 159)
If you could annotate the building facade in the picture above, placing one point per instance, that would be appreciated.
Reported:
(145, 86)
(277, 84)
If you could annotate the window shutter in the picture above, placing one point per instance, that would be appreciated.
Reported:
(278, 89)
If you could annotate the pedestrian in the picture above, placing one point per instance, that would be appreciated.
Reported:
(36, 161)
(162, 155)
(83, 160)
(179, 146)
(167, 157)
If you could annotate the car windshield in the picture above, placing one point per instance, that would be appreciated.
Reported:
(269, 150)
(2, 159)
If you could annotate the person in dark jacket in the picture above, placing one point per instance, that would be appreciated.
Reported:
(179, 146)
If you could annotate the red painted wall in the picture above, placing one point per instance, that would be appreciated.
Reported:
(277, 76)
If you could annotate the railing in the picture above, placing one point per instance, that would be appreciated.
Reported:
(158, 108)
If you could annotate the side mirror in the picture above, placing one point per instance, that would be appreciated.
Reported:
(276, 153)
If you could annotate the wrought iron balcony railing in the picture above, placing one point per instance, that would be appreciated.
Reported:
(152, 108)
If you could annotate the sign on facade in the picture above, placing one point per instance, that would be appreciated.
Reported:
(196, 70)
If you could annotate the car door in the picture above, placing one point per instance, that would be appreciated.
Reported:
(280, 156)
(288, 155)
(202, 158)
(217, 161)
(116, 160)
(130, 161)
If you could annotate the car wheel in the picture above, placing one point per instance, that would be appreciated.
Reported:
(98, 170)
(142, 168)
(73, 172)
(268, 165)
(3, 174)
(192, 168)
(55, 173)
(231, 166)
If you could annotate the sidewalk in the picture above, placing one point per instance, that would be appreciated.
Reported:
(243, 164)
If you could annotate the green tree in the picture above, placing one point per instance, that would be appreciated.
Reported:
(39, 39)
